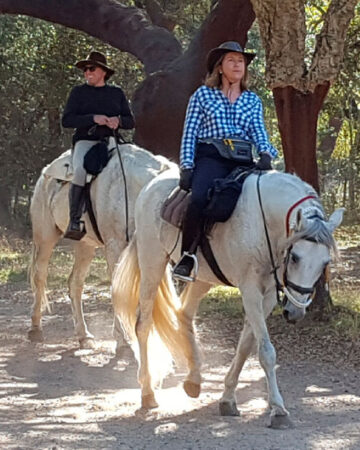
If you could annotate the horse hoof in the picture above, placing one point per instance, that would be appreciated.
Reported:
(281, 422)
(192, 389)
(149, 402)
(228, 409)
(87, 344)
(36, 335)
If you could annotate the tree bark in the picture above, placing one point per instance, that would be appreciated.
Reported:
(297, 114)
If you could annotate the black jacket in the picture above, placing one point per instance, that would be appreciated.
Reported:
(85, 101)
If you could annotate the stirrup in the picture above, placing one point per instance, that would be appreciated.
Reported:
(76, 235)
(194, 270)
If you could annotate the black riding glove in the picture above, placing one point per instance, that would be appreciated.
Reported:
(264, 162)
(185, 179)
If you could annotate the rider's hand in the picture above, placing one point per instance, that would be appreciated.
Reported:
(185, 179)
(113, 122)
(264, 162)
(100, 119)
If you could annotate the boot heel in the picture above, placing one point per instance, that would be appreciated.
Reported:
(76, 235)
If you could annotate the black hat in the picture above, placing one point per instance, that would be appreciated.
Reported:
(229, 46)
(97, 59)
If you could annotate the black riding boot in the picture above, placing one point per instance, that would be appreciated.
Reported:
(192, 228)
(76, 229)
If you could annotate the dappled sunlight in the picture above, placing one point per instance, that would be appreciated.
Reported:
(340, 402)
(165, 428)
(316, 389)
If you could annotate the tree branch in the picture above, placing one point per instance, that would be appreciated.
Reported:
(329, 50)
(125, 28)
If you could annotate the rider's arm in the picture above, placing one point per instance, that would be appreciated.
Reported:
(193, 119)
(71, 117)
(258, 131)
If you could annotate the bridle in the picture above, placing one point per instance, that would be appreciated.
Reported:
(282, 289)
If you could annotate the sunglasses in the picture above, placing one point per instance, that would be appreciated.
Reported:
(90, 68)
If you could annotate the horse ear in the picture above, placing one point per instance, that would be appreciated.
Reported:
(335, 219)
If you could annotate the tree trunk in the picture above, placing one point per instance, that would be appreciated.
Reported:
(297, 114)
(5, 206)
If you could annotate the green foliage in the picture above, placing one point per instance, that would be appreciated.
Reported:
(340, 166)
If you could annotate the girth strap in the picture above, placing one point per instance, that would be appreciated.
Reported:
(90, 211)
(210, 259)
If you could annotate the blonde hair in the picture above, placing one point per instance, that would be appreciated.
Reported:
(214, 79)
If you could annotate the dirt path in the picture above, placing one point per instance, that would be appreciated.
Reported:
(54, 396)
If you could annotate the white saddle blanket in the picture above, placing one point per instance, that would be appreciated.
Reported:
(60, 168)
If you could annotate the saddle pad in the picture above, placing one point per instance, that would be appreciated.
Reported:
(60, 168)
(174, 207)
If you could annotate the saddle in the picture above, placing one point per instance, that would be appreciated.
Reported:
(61, 170)
(222, 201)
(223, 197)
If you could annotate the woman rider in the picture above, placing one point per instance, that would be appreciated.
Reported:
(222, 108)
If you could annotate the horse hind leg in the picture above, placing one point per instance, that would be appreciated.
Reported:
(113, 249)
(84, 254)
(190, 300)
(42, 247)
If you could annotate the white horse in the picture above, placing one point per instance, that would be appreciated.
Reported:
(145, 299)
(50, 214)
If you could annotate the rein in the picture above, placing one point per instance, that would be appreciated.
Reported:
(279, 286)
(282, 288)
(117, 136)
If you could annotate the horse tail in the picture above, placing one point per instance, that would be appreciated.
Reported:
(125, 290)
(165, 339)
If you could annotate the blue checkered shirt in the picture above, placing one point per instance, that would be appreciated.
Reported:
(210, 114)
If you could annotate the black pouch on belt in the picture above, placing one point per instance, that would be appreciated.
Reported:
(232, 148)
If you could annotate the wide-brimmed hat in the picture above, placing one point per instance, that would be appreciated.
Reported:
(97, 59)
(229, 46)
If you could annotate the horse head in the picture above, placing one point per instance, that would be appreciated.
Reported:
(307, 257)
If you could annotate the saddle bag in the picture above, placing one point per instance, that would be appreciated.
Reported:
(232, 148)
(96, 158)
(224, 195)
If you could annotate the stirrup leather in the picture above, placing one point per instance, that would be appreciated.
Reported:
(194, 270)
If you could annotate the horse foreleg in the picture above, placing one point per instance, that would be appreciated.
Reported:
(228, 401)
(255, 305)
(245, 346)
(190, 300)
(41, 253)
(84, 254)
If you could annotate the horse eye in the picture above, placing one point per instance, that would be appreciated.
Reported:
(294, 258)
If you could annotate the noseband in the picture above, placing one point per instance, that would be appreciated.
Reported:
(295, 287)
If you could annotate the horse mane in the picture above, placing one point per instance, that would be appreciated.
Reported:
(316, 228)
